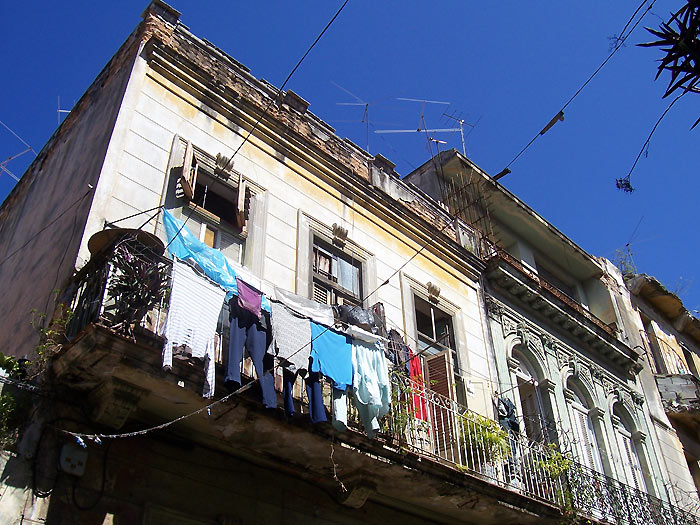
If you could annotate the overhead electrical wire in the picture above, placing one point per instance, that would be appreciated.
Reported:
(267, 107)
(620, 41)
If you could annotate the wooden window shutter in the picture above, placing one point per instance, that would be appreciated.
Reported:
(438, 374)
(188, 178)
(321, 294)
(241, 204)
(439, 379)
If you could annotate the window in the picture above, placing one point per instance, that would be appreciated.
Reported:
(535, 415)
(336, 275)
(217, 204)
(585, 443)
(434, 327)
(435, 339)
(632, 473)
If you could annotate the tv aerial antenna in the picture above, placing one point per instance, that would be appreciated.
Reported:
(422, 126)
(461, 123)
(359, 102)
(59, 111)
(3, 164)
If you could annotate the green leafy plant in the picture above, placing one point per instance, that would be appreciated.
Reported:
(137, 285)
(51, 338)
(555, 464)
(403, 414)
(13, 403)
(487, 441)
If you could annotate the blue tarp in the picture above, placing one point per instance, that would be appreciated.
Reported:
(186, 246)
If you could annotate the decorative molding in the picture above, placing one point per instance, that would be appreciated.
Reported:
(639, 436)
(494, 308)
(509, 326)
(596, 414)
(637, 398)
(340, 235)
(569, 395)
(547, 385)
(433, 292)
(513, 364)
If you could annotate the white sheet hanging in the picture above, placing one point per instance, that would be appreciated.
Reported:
(195, 305)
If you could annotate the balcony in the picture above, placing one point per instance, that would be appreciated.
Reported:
(545, 298)
(431, 452)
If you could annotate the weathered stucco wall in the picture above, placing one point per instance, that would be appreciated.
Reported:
(42, 220)
(155, 110)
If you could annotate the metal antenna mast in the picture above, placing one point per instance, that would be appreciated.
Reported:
(365, 113)
(461, 123)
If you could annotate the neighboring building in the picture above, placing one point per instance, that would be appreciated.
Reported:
(564, 346)
(670, 336)
(493, 301)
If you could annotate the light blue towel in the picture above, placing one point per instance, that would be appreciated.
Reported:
(186, 246)
(331, 354)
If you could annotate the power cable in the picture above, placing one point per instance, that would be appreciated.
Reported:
(624, 183)
(560, 114)
(30, 239)
(267, 107)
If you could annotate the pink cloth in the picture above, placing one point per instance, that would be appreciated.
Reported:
(249, 298)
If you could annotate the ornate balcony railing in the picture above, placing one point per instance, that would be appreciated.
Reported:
(127, 291)
(599, 496)
(552, 290)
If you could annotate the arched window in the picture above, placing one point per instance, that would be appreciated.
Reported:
(631, 471)
(583, 439)
(535, 415)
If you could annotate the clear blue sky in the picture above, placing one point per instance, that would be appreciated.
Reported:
(509, 66)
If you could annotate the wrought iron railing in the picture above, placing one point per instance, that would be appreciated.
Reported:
(552, 290)
(599, 496)
(435, 426)
(420, 420)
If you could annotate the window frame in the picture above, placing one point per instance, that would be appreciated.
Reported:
(203, 165)
(309, 228)
(412, 288)
(331, 280)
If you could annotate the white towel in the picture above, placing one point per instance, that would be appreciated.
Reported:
(195, 304)
(321, 313)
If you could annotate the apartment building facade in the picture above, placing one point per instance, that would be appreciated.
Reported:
(177, 140)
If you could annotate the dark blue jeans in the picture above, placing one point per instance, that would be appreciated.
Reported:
(317, 411)
(247, 331)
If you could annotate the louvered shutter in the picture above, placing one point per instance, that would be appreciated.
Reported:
(439, 379)
(241, 205)
(630, 461)
(321, 294)
(188, 178)
(582, 441)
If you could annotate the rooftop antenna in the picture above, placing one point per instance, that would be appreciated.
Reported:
(360, 102)
(3, 164)
(461, 123)
(422, 126)
(59, 111)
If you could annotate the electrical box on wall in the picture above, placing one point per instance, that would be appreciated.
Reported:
(73, 459)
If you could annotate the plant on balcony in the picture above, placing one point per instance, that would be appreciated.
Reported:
(137, 285)
(403, 419)
(555, 464)
(484, 440)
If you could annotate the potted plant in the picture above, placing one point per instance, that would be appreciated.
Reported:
(486, 443)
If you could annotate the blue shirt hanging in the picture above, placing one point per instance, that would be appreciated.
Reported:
(331, 354)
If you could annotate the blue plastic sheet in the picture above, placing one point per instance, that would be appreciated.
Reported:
(184, 245)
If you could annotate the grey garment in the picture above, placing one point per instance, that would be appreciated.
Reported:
(321, 313)
(292, 337)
